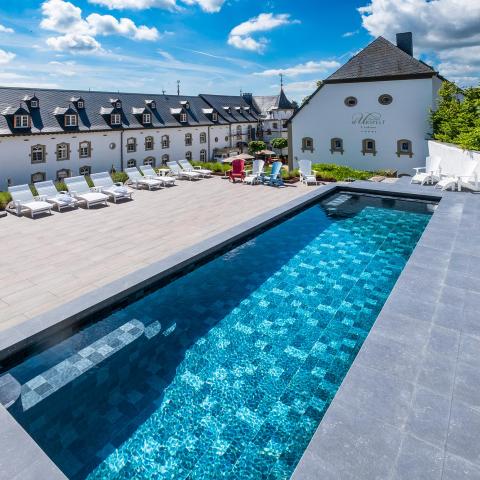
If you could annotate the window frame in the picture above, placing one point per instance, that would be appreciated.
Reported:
(347, 101)
(386, 96)
(18, 121)
(203, 153)
(115, 115)
(60, 147)
(149, 161)
(165, 141)
(87, 168)
(34, 150)
(131, 163)
(165, 158)
(67, 171)
(305, 147)
(81, 104)
(183, 117)
(203, 137)
(333, 146)
(401, 152)
(147, 118)
(85, 144)
(151, 140)
(131, 145)
(238, 132)
(188, 140)
(67, 120)
(188, 155)
(43, 177)
(366, 150)
(214, 117)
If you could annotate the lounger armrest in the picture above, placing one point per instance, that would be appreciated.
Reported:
(41, 198)
(96, 189)
(417, 169)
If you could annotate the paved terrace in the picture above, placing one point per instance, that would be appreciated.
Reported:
(53, 259)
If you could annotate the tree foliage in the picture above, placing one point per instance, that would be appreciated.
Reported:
(457, 118)
(256, 145)
(279, 143)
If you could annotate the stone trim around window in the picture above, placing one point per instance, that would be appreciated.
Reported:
(131, 163)
(149, 143)
(85, 145)
(336, 145)
(38, 177)
(42, 149)
(85, 170)
(367, 148)
(401, 151)
(165, 141)
(131, 145)
(307, 144)
(63, 173)
(149, 161)
(57, 151)
(165, 158)
(203, 137)
(188, 139)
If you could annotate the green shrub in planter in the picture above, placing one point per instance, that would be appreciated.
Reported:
(5, 199)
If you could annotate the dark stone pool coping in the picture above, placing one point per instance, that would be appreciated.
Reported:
(339, 449)
(409, 407)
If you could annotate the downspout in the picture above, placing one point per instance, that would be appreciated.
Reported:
(230, 133)
(208, 140)
(290, 146)
(121, 149)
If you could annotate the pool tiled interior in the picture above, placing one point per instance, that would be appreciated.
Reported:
(231, 367)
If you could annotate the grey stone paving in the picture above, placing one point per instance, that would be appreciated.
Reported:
(409, 408)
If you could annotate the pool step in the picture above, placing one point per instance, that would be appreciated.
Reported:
(53, 379)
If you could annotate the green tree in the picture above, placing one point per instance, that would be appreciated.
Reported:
(457, 117)
(279, 143)
(307, 98)
(255, 146)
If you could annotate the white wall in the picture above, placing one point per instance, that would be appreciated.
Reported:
(453, 157)
(407, 117)
(16, 166)
(15, 161)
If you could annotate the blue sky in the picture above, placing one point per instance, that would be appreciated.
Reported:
(221, 46)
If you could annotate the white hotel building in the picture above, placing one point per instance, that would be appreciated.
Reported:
(372, 113)
(53, 134)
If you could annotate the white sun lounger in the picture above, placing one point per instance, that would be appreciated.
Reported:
(431, 172)
(138, 180)
(188, 167)
(255, 175)
(447, 182)
(180, 173)
(464, 177)
(306, 174)
(78, 188)
(116, 191)
(149, 172)
(23, 199)
(49, 192)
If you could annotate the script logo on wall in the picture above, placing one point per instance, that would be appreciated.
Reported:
(368, 122)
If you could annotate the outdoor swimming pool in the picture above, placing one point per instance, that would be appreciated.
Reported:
(227, 371)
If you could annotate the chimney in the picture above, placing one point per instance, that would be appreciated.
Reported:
(405, 42)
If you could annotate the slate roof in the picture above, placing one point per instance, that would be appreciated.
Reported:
(218, 102)
(95, 115)
(264, 104)
(381, 59)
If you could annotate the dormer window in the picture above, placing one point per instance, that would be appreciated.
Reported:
(34, 104)
(151, 103)
(227, 109)
(80, 104)
(147, 118)
(183, 118)
(116, 119)
(31, 101)
(71, 120)
(116, 103)
(185, 104)
(21, 121)
(215, 116)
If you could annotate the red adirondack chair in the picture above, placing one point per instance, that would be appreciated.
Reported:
(237, 171)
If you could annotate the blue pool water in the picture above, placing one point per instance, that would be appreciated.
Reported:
(227, 371)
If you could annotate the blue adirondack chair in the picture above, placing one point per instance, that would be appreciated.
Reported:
(275, 178)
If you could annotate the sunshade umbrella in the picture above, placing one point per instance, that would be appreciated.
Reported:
(266, 152)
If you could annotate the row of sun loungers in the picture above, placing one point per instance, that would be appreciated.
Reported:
(104, 189)
(448, 176)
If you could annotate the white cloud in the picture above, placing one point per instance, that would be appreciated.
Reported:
(438, 27)
(210, 6)
(350, 34)
(79, 34)
(6, 57)
(307, 86)
(74, 42)
(301, 69)
(241, 36)
(4, 29)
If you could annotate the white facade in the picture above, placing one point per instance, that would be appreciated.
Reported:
(406, 119)
(107, 149)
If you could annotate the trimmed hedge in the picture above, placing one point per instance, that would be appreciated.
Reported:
(332, 172)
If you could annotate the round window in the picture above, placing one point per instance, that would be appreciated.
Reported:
(350, 101)
(216, 139)
(226, 139)
(385, 99)
(112, 146)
